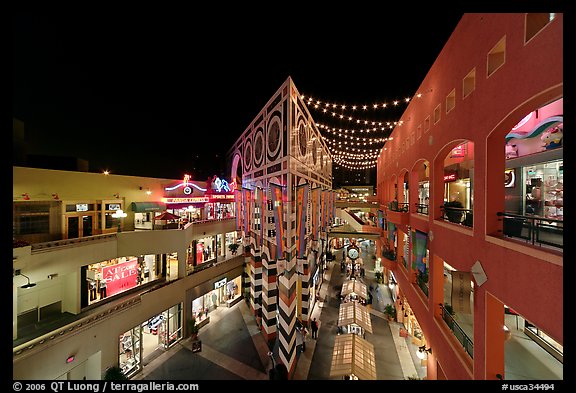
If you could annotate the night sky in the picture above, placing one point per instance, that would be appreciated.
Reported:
(161, 94)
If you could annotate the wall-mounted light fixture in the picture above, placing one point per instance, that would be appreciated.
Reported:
(29, 284)
(423, 352)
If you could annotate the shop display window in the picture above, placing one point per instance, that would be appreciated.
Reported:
(129, 350)
(544, 190)
(117, 275)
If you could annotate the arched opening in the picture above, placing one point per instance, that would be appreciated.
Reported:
(421, 172)
(459, 184)
(534, 177)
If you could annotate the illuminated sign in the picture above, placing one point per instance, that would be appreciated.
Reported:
(220, 283)
(459, 151)
(113, 206)
(221, 185)
(222, 196)
(186, 184)
(509, 178)
(186, 200)
(450, 177)
(81, 207)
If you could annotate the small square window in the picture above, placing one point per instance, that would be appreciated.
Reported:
(437, 114)
(469, 83)
(451, 100)
(535, 22)
(497, 56)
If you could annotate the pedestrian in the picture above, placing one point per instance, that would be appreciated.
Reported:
(314, 326)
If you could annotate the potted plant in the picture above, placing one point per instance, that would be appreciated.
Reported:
(451, 213)
(193, 328)
(233, 247)
(114, 373)
(379, 277)
(390, 312)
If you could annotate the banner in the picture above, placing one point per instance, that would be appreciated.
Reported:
(247, 199)
(419, 245)
(301, 210)
(263, 215)
(324, 210)
(238, 201)
(461, 289)
(315, 208)
(391, 233)
(278, 208)
(120, 277)
(257, 217)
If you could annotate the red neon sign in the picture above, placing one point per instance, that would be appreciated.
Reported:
(450, 177)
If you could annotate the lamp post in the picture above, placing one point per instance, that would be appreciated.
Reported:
(119, 214)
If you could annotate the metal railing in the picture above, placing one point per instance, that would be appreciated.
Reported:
(458, 332)
(421, 208)
(533, 229)
(422, 283)
(458, 215)
(389, 254)
(398, 207)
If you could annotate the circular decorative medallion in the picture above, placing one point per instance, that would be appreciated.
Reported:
(258, 146)
(273, 137)
(248, 156)
(302, 138)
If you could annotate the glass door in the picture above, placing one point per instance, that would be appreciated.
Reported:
(73, 231)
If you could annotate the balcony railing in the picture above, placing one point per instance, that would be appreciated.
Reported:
(458, 332)
(422, 282)
(389, 254)
(421, 208)
(534, 229)
(457, 215)
(398, 207)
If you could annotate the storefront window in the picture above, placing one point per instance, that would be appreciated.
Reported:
(129, 359)
(544, 190)
(172, 325)
(205, 249)
(117, 275)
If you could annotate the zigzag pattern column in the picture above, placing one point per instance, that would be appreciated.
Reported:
(269, 298)
(255, 281)
(287, 311)
(304, 268)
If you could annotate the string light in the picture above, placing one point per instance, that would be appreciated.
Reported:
(356, 120)
(350, 148)
(382, 105)
(382, 126)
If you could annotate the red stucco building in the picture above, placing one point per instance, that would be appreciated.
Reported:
(498, 81)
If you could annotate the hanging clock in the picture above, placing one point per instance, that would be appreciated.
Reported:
(353, 252)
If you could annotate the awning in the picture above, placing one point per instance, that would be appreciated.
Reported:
(352, 355)
(355, 287)
(355, 313)
(143, 207)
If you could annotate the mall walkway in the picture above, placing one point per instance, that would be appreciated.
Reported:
(233, 348)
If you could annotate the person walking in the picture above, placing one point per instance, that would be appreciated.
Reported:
(314, 326)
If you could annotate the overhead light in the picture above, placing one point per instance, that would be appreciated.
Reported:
(29, 284)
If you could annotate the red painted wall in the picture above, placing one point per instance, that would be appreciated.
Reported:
(531, 77)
